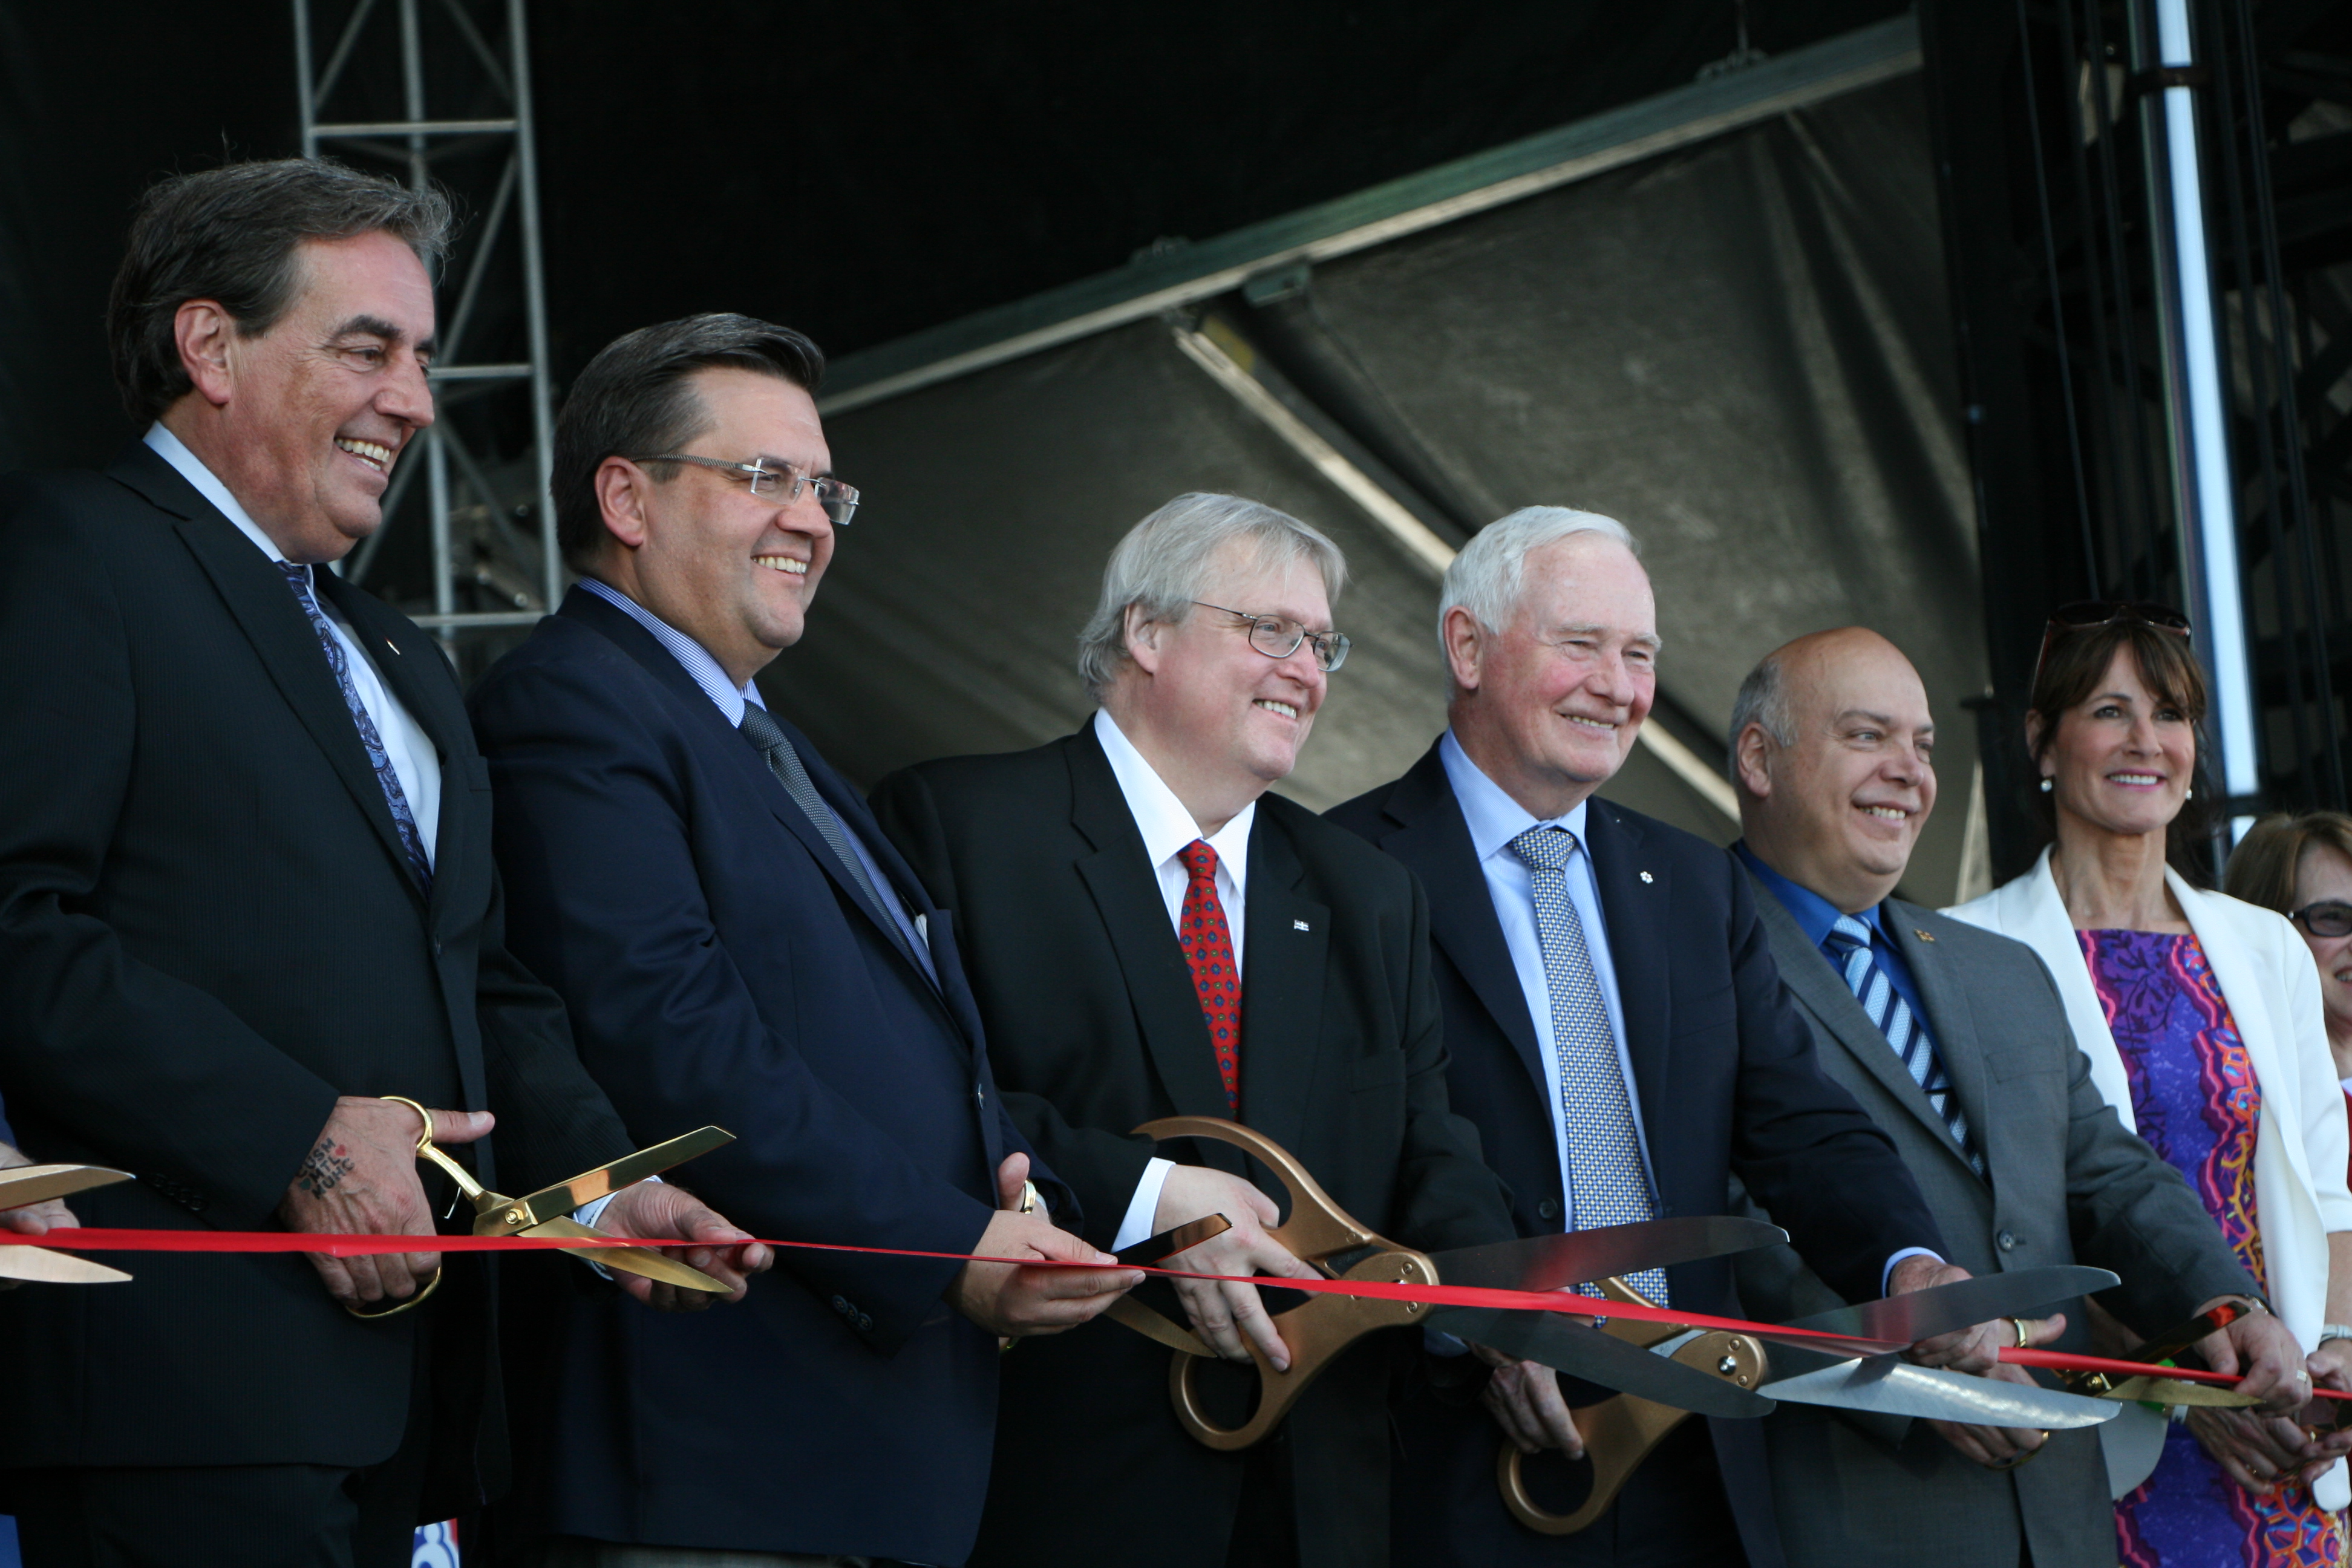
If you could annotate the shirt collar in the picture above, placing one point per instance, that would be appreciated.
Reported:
(708, 672)
(174, 452)
(1814, 914)
(1494, 817)
(1162, 820)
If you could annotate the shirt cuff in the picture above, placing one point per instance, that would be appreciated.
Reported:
(1142, 1207)
(1886, 1274)
(588, 1214)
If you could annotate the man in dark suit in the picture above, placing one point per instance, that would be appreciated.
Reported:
(1993, 1111)
(245, 866)
(738, 943)
(1617, 1032)
(1152, 934)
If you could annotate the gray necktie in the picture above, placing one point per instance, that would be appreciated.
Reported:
(1608, 1185)
(768, 738)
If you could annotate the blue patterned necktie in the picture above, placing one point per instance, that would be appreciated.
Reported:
(1607, 1183)
(412, 843)
(1848, 945)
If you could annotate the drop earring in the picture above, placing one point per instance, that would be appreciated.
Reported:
(2188, 794)
(2045, 786)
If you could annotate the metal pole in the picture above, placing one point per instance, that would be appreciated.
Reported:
(436, 479)
(2203, 490)
(534, 292)
(302, 92)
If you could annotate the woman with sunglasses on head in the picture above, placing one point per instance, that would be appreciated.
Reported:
(2201, 1018)
(2302, 867)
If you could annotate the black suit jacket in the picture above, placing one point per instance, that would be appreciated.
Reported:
(1097, 1028)
(207, 932)
(720, 969)
(1722, 1063)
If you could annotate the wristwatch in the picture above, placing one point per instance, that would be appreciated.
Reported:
(2335, 1331)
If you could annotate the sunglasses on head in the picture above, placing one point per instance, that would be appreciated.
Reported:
(2329, 917)
(2084, 615)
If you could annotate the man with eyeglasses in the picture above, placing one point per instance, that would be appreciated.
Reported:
(738, 944)
(1151, 934)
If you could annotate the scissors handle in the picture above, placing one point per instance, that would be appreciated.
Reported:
(1317, 1227)
(1621, 1431)
(427, 1150)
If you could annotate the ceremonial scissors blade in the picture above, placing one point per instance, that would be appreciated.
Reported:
(495, 1214)
(1582, 1256)
(1889, 1385)
(1947, 1309)
(23, 1184)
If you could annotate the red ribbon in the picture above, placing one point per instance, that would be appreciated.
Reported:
(91, 1239)
(2063, 1361)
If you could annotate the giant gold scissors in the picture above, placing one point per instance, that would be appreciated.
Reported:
(548, 1212)
(1322, 1234)
(1621, 1432)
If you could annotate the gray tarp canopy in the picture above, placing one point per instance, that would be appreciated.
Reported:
(1738, 347)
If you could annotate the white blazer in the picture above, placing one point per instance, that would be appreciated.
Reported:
(2301, 1142)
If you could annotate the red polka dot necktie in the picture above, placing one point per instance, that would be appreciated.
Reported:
(1209, 949)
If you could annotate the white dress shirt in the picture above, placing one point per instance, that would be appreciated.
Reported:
(1495, 819)
(1166, 827)
(415, 759)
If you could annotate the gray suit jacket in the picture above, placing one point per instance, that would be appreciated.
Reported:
(2068, 1185)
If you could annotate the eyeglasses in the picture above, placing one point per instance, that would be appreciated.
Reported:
(782, 485)
(1277, 637)
(2084, 615)
(2329, 917)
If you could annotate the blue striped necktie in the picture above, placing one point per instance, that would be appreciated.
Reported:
(404, 820)
(1848, 945)
(1606, 1182)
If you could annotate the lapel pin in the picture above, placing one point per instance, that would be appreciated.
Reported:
(1923, 935)
(1646, 876)
(1298, 925)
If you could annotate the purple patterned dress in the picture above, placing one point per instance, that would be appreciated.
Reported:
(2195, 1097)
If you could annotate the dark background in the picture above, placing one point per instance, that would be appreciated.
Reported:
(858, 170)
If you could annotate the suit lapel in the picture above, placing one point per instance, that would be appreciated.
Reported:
(1951, 1025)
(1430, 836)
(702, 715)
(1822, 991)
(1282, 986)
(1127, 896)
(1635, 898)
(265, 609)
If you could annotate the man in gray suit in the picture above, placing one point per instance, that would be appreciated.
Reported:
(1955, 1042)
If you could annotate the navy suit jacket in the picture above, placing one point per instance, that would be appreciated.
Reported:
(1724, 1065)
(719, 969)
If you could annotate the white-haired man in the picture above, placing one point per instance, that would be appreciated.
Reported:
(1150, 933)
(1617, 1032)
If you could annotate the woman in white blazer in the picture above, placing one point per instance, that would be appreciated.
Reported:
(2202, 1022)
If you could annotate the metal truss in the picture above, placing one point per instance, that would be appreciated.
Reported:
(457, 111)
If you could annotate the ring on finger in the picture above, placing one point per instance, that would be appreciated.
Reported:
(2023, 1338)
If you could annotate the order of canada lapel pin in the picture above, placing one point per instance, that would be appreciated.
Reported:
(1647, 877)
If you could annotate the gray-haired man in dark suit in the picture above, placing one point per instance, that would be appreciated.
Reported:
(2019, 1158)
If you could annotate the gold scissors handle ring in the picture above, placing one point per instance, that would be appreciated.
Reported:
(425, 1149)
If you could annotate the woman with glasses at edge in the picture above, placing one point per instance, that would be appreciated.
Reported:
(2201, 1018)
(2302, 867)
